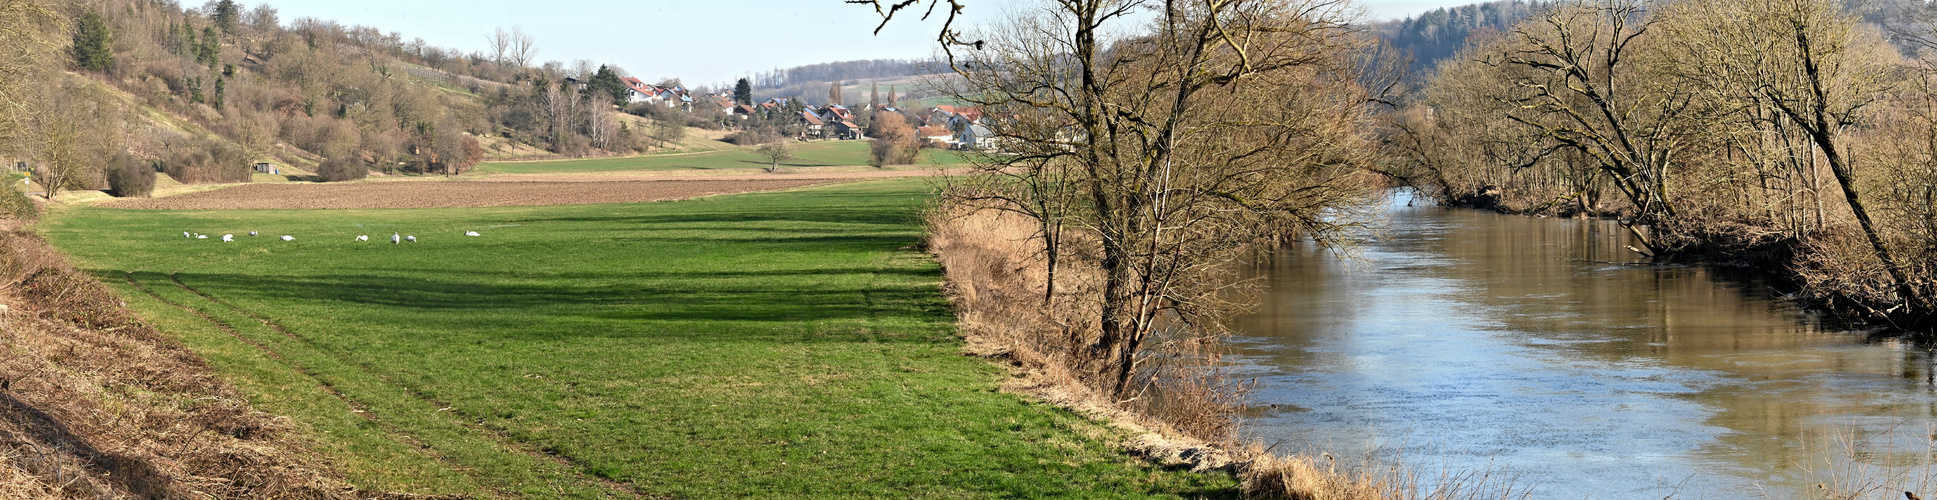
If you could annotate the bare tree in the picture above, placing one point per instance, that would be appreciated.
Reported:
(522, 49)
(1578, 76)
(1816, 67)
(1175, 150)
(500, 45)
(775, 151)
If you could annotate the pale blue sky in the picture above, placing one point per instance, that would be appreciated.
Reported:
(702, 42)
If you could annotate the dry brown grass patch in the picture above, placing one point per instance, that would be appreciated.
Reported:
(96, 404)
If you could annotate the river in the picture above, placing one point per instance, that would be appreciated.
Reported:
(1540, 348)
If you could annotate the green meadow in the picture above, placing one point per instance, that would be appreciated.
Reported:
(776, 345)
(807, 154)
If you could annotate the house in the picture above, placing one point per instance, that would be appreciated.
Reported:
(954, 117)
(637, 90)
(814, 123)
(743, 111)
(846, 130)
(938, 136)
(976, 137)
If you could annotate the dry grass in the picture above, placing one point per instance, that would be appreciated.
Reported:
(95, 404)
(1188, 412)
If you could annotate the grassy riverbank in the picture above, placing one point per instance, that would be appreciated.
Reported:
(774, 345)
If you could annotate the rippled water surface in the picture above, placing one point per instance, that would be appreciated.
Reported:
(1464, 340)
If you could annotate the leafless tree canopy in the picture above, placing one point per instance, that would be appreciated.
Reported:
(1162, 154)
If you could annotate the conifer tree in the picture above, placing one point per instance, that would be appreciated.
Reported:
(93, 44)
(225, 15)
(874, 95)
(743, 92)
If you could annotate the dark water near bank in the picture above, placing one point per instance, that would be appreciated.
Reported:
(1464, 340)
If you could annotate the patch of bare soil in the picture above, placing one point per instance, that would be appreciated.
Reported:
(454, 194)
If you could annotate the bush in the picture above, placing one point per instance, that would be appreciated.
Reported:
(342, 169)
(130, 178)
(203, 161)
(15, 204)
(752, 137)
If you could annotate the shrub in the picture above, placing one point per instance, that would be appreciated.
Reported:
(15, 204)
(203, 161)
(752, 137)
(130, 178)
(342, 169)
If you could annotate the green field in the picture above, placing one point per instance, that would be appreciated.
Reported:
(807, 154)
(785, 344)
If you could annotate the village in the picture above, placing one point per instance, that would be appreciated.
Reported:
(944, 126)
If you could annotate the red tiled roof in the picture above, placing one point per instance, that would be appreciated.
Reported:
(933, 132)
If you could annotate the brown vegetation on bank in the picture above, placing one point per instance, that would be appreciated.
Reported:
(96, 404)
(1777, 134)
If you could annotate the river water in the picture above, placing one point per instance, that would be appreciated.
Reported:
(1539, 348)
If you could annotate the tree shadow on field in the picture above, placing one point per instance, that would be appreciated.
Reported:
(491, 301)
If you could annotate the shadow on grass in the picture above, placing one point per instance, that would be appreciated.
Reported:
(488, 301)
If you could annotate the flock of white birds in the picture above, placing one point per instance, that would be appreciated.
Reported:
(394, 237)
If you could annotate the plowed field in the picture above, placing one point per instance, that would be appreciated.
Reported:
(452, 194)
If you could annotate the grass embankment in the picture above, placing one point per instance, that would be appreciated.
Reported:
(764, 345)
(807, 154)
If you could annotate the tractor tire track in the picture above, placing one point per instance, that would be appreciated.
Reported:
(356, 407)
(529, 449)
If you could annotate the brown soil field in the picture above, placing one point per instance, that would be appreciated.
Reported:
(454, 194)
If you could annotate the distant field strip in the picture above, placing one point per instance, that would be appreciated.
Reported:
(771, 345)
(806, 154)
(451, 194)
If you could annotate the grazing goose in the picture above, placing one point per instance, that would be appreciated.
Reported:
(228, 238)
(471, 233)
(412, 239)
(288, 238)
(363, 237)
(395, 239)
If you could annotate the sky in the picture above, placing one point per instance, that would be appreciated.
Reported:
(701, 42)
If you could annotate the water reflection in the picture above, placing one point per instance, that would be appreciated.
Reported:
(1546, 347)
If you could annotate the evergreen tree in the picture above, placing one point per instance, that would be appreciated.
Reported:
(607, 81)
(225, 15)
(743, 92)
(218, 93)
(874, 95)
(93, 44)
(211, 50)
(891, 97)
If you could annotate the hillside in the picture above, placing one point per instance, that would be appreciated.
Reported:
(204, 94)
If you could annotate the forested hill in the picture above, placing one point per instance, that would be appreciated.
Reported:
(1437, 35)
(1434, 36)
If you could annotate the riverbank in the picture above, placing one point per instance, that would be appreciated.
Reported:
(1829, 269)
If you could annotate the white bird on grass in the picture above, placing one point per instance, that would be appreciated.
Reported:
(363, 237)
(288, 238)
(252, 233)
(471, 233)
(201, 236)
(228, 238)
(394, 238)
(412, 239)
(186, 235)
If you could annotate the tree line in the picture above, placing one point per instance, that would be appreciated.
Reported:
(1782, 134)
